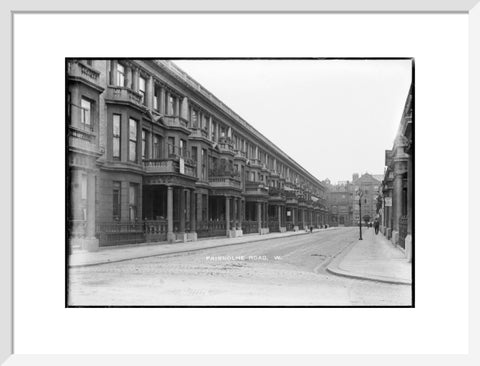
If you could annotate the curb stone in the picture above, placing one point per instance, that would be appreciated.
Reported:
(261, 238)
(334, 268)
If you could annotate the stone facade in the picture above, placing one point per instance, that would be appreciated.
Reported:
(154, 156)
(397, 186)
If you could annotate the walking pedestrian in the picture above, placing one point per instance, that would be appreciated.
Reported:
(376, 224)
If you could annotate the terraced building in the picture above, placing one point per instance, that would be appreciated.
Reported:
(153, 156)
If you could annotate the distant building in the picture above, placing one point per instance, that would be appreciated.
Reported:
(397, 187)
(369, 184)
(340, 204)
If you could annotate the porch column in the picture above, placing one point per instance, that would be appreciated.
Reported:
(193, 221)
(397, 200)
(279, 210)
(241, 212)
(235, 213)
(199, 207)
(409, 195)
(182, 210)
(259, 216)
(170, 235)
(227, 213)
(90, 206)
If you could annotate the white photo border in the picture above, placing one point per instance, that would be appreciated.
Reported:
(6, 250)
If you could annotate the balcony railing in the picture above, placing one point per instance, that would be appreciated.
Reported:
(83, 140)
(124, 95)
(175, 121)
(224, 182)
(225, 144)
(168, 166)
(241, 154)
(79, 70)
(256, 163)
(272, 191)
(199, 132)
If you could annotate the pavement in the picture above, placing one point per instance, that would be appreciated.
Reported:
(137, 251)
(374, 258)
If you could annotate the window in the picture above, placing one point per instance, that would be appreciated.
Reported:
(141, 88)
(132, 199)
(120, 75)
(183, 146)
(116, 200)
(116, 137)
(132, 140)
(86, 107)
(144, 145)
(194, 153)
(156, 147)
(171, 145)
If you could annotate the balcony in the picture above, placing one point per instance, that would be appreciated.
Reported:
(256, 188)
(226, 145)
(169, 166)
(199, 133)
(176, 123)
(239, 154)
(256, 163)
(124, 95)
(81, 72)
(83, 141)
(224, 182)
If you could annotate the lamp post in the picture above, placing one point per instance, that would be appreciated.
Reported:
(360, 195)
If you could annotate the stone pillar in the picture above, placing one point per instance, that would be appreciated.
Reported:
(135, 80)
(241, 213)
(217, 131)
(259, 216)
(170, 234)
(193, 219)
(227, 214)
(409, 194)
(128, 77)
(149, 93)
(182, 210)
(209, 124)
(279, 210)
(113, 71)
(235, 213)
(90, 242)
(161, 103)
(184, 109)
(199, 207)
(397, 200)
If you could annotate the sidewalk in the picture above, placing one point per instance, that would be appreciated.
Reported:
(127, 252)
(373, 258)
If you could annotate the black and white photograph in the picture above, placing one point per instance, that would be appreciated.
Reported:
(239, 182)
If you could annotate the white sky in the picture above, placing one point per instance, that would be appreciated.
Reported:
(334, 117)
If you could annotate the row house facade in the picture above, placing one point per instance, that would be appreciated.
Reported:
(153, 156)
(398, 184)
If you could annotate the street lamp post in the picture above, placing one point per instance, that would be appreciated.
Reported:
(360, 195)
